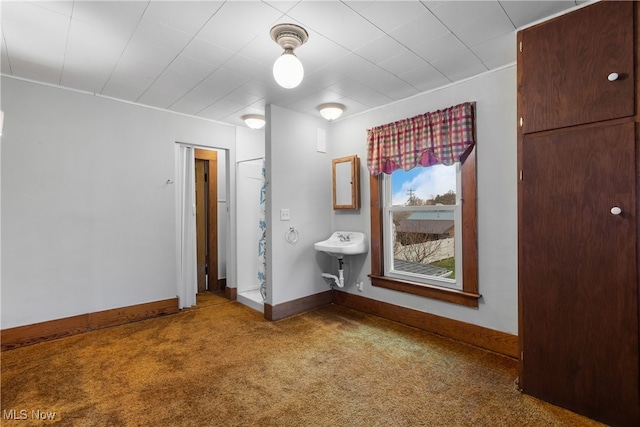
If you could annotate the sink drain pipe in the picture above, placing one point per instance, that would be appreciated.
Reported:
(332, 279)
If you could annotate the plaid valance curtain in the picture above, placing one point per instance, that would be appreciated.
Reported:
(428, 139)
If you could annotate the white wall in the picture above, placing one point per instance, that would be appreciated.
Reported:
(88, 221)
(495, 96)
(299, 179)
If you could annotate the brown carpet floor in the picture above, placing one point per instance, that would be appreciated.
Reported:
(222, 364)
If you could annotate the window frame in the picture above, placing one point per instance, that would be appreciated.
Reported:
(468, 295)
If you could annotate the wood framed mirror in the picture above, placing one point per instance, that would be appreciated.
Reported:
(346, 182)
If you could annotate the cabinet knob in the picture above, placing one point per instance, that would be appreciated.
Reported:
(616, 210)
(613, 77)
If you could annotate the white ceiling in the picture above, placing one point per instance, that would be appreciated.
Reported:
(213, 58)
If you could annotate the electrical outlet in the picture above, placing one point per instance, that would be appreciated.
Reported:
(360, 285)
(285, 215)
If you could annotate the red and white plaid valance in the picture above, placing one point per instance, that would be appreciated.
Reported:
(428, 139)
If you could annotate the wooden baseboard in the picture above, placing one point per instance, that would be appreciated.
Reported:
(231, 293)
(489, 339)
(297, 306)
(39, 332)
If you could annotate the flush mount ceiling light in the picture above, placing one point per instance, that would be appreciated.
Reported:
(254, 121)
(331, 110)
(288, 70)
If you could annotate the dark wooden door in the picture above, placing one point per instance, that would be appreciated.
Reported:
(202, 218)
(207, 225)
(565, 65)
(578, 268)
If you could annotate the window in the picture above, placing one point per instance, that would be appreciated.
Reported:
(421, 222)
(424, 236)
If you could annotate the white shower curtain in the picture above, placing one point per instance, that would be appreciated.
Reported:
(262, 242)
(187, 264)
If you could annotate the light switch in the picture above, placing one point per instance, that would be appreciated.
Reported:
(285, 215)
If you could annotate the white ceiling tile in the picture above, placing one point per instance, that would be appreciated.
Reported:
(34, 47)
(459, 14)
(440, 47)
(115, 16)
(249, 69)
(346, 86)
(191, 67)
(498, 51)
(370, 97)
(223, 35)
(34, 34)
(282, 5)
(522, 13)
(403, 61)
(220, 110)
(380, 49)
(148, 53)
(204, 93)
(460, 65)
(184, 16)
(225, 79)
(134, 74)
(88, 78)
(389, 15)
(90, 40)
(168, 88)
(260, 90)
(62, 7)
(425, 78)
(157, 34)
(265, 51)
(494, 24)
(240, 96)
(186, 106)
(421, 29)
(208, 53)
(337, 22)
(237, 23)
(317, 52)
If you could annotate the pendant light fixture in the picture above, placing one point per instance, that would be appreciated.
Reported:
(288, 70)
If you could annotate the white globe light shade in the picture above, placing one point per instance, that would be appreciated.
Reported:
(254, 121)
(331, 110)
(288, 70)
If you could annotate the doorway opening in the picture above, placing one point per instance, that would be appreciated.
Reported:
(206, 180)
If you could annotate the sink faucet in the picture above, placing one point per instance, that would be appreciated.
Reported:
(344, 237)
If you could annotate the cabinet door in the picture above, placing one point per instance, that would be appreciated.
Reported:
(565, 65)
(578, 272)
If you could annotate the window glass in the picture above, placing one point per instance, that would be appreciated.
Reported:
(421, 225)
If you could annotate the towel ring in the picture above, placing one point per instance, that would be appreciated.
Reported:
(291, 236)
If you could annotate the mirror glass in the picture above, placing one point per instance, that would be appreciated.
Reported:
(346, 183)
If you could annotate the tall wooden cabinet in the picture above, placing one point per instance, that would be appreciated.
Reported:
(578, 156)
